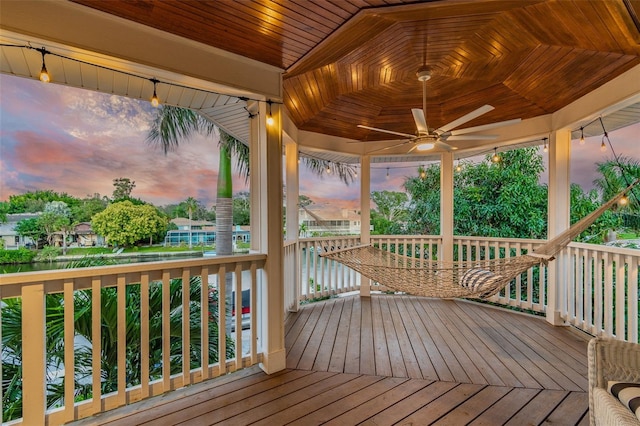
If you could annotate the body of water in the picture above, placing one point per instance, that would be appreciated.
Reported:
(115, 260)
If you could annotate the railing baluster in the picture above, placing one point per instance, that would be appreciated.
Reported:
(238, 303)
(632, 333)
(621, 293)
(204, 322)
(33, 354)
(96, 344)
(144, 335)
(122, 339)
(186, 327)
(222, 319)
(69, 352)
(254, 316)
(166, 331)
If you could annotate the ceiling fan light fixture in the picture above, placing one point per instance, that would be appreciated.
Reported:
(425, 146)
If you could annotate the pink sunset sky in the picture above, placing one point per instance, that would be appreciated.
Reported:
(77, 141)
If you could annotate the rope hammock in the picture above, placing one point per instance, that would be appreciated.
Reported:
(472, 278)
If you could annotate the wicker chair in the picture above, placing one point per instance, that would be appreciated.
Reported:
(611, 360)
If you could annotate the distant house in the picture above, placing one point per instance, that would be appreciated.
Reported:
(9, 237)
(81, 236)
(185, 224)
(324, 219)
(202, 233)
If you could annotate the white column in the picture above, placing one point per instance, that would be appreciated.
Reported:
(446, 206)
(293, 189)
(292, 184)
(266, 220)
(365, 214)
(559, 221)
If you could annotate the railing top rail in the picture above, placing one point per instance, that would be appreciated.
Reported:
(606, 249)
(407, 237)
(335, 237)
(62, 274)
(499, 239)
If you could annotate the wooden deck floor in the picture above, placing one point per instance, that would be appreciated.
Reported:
(394, 360)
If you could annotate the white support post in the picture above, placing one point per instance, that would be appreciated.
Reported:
(446, 206)
(33, 355)
(293, 189)
(365, 215)
(266, 220)
(292, 185)
(559, 221)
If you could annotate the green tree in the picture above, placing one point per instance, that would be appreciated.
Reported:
(241, 209)
(390, 214)
(490, 199)
(123, 188)
(88, 207)
(31, 228)
(424, 205)
(34, 202)
(615, 176)
(190, 205)
(125, 224)
(56, 217)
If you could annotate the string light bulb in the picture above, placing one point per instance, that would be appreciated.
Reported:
(155, 102)
(603, 146)
(458, 167)
(270, 120)
(581, 135)
(496, 157)
(545, 148)
(624, 200)
(423, 174)
(328, 170)
(44, 74)
(387, 173)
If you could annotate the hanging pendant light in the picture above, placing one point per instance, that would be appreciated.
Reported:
(155, 102)
(44, 74)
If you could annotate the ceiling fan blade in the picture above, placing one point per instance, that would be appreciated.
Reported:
(388, 147)
(485, 127)
(421, 122)
(444, 146)
(467, 117)
(406, 135)
(472, 137)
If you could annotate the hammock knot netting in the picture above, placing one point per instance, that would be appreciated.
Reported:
(473, 279)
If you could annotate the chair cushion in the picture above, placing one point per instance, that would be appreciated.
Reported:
(627, 393)
(479, 279)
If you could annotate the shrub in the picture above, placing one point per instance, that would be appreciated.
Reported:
(16, 256)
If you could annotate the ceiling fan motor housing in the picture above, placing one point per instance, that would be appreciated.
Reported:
(424, 73)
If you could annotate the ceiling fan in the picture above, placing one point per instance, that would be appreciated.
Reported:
(426, 139)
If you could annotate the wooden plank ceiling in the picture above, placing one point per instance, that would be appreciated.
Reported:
(349, 62)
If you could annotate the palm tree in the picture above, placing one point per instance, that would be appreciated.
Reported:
(616, 175)
(190, 204)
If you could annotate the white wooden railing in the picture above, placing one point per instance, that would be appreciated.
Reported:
(172, 370)
(601, 295)
(597, 286)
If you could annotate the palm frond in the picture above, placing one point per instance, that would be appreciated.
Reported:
(173, 125)
(346, 172)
